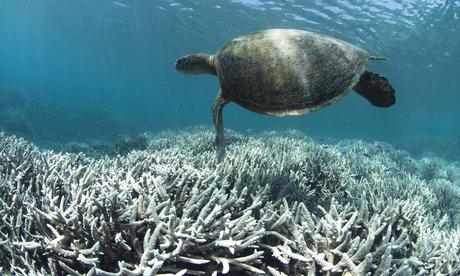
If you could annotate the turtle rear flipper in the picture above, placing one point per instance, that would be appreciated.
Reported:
(376, 89)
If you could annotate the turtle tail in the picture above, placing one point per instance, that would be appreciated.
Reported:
(376, 89)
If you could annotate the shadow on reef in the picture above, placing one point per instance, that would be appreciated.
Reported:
(279, 204)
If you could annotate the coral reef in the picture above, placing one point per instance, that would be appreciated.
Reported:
(127, 144)
(97, 149)
(446, 147)
(279, 204)
(91, 148)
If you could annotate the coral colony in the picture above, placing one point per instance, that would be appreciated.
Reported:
(279, 204)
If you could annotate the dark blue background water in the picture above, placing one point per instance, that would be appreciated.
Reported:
(87, 69)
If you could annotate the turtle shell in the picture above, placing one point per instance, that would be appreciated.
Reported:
(288, 72)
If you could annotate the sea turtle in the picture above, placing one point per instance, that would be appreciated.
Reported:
(287, 72)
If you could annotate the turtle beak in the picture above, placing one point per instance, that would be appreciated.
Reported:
(182, 65)
(178, 64)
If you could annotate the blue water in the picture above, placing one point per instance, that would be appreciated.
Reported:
(78, 70)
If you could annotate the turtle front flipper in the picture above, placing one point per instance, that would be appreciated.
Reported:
(217, 109)
(376, 89)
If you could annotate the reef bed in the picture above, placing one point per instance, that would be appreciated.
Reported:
(279, 204)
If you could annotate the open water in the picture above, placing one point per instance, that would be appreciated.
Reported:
(78, 70)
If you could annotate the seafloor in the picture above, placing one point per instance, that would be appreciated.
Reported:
(279, 204)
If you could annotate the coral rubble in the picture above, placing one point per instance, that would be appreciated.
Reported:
(280, 204)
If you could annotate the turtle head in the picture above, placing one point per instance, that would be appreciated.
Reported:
(196, 64)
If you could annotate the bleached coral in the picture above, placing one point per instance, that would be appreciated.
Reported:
(277, 205)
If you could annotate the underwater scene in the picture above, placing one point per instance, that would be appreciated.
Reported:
(229, 137)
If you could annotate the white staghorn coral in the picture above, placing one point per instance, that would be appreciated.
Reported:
(278, 205)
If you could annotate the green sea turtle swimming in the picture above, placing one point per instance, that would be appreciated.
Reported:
(287, 72)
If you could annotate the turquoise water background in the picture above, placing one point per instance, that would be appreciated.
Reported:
(76, 70)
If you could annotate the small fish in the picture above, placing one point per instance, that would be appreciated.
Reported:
(119, 4)
(342, 145)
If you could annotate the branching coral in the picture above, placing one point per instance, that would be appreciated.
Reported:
(278, 205)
